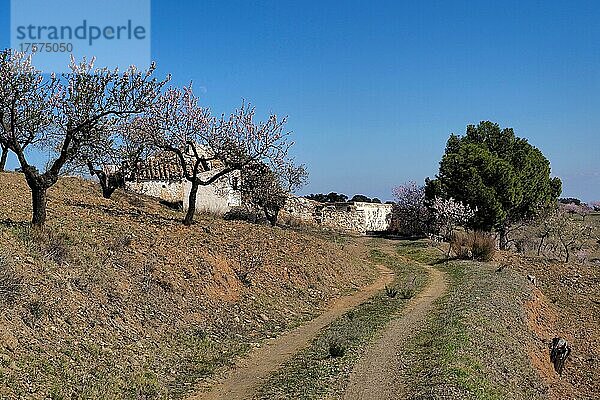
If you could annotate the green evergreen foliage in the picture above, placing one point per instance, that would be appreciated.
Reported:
(501, 175)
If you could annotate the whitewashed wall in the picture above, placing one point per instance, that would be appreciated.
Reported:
(217, 198)
(377, 217)
(164, 190)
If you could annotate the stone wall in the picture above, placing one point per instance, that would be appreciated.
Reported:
(357, 217)
(300, 209)
(343, 217)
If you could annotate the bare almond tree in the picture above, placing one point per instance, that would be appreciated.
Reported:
(65, 114)
(207, 148)
(3, 157)
(571, 233)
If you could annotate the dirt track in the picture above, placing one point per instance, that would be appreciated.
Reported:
(243, 380)
(375, 376)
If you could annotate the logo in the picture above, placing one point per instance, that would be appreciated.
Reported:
(114, 32)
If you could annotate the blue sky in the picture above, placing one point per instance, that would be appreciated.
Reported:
(373, 88)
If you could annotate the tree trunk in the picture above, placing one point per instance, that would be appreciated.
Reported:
(107, 192)
(103, 179)
(189, 217)
(38, 198)
(271, 216)
(539, 251)
(503, 238)
(3, 158)
(108, 182)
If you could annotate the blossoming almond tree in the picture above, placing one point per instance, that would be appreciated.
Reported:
(199, 141)
(410, 215)
(266, 188)
(64, 114)
(582, 210)
(116, 155)
(450, 214)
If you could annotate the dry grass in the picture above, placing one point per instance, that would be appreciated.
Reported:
(119, 300)
(489, 336)
(479, 246)
(472, 345)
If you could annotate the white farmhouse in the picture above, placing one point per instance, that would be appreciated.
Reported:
(162, 177)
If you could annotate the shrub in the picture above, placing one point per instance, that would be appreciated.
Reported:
(240, 214)
(391, 292)
(249, 261)
(10, 282)
(459, 245)
(483, 246)
(480, 246)
(407, 293)
(336, 348)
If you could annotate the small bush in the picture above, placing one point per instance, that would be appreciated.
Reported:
(336, 349)
(391, 292)
(10, 282)
(240, 214)
(459, 245)
(407, 293)
(483, 246)
(480, 246)
(249, 260)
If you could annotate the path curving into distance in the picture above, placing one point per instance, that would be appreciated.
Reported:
(248, 375)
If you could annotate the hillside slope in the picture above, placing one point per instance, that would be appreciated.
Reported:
(119, 300)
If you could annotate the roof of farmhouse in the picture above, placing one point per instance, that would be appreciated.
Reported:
(165, 166)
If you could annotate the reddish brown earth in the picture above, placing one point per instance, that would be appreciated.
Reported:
(565, 303)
